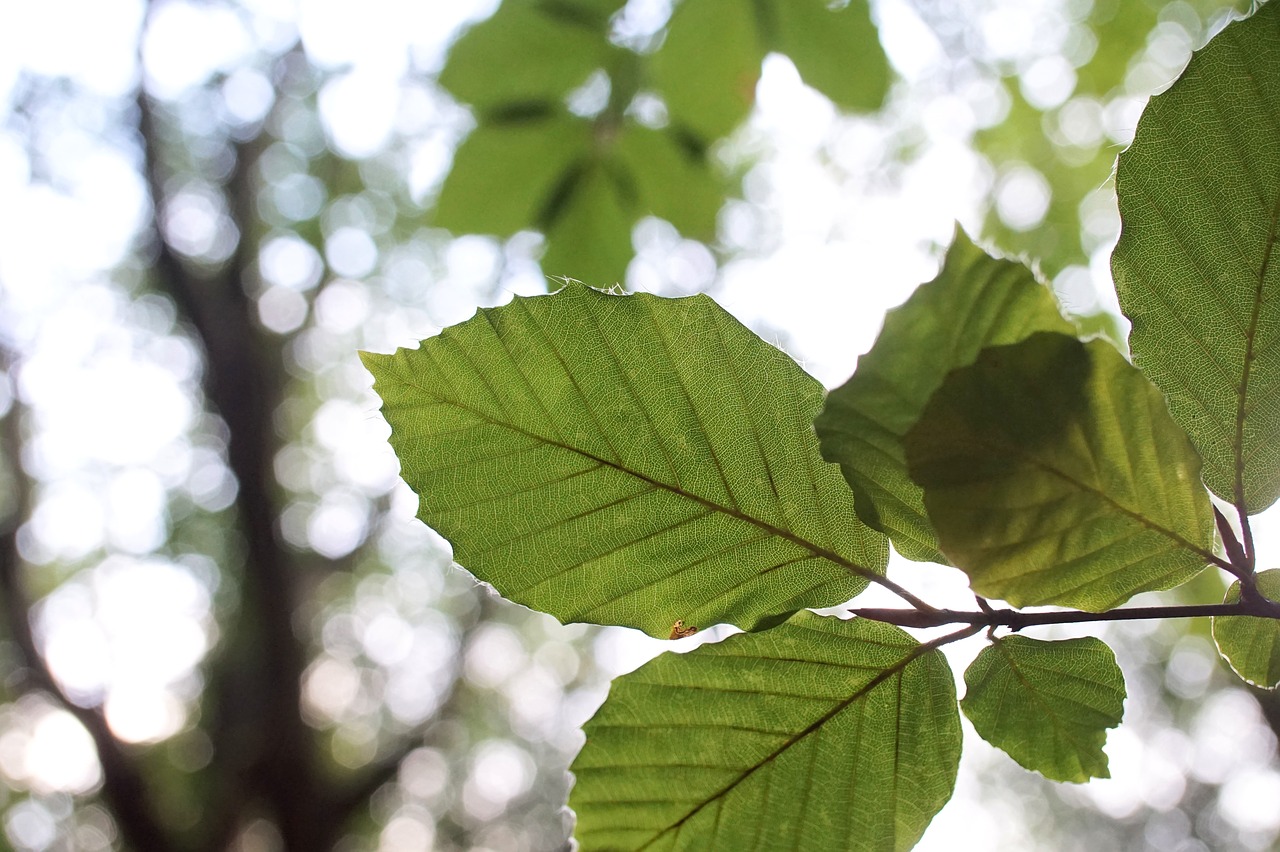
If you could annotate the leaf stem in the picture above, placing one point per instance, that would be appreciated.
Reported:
(1239, 564)
(1256, 606)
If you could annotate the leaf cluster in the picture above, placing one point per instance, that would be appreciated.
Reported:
(581, 132)
(649, 462)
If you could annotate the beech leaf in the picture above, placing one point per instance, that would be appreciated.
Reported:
(975, 301)
(817, 734)
(1197, 269)
(1252, 645)
(1048, 705)
(626, 460)
(1054, 474)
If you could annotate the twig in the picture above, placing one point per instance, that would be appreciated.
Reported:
(1257, 607)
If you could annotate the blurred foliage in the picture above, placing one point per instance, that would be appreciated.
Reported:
(582, 132)
(446, 717)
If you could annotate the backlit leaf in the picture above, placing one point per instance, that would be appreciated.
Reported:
(1252, 645)
(818, 734)
(1196, 268)
(626, 460)
(975, 301)
(1054, 474)
(1048, 705)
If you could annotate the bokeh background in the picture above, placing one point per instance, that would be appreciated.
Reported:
(222, 627)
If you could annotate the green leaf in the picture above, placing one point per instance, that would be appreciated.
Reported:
(1196, 268)
(975, 301)
(818, 734)
(1252, 645)
(708, 65)
(1054, 474)
(626, 460)
(671, 180)
(836, 51)
(526, 52)
(1048, 705)
(505, 176)
(590, 236)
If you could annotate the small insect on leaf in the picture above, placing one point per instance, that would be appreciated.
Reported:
(679, 631)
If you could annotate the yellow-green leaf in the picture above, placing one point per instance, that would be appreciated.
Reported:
(818, 734)
(975, 301)
(1252, 645)
(1054, 474)
(626, 460)
(1197, 269)
(1048, 705)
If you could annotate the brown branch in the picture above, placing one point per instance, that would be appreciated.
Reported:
(124, 789)
(1016, 620)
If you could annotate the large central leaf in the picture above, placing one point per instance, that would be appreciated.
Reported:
(818, 734)
(626, 460)
(1197, 269)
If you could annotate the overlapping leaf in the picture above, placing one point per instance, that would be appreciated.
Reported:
(626, 460)
(1197, 269)
(1252, 645)
(817, 734)
(1048, 705)
(975, 301)
(1054, 474)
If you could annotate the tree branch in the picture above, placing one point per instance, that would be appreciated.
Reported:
(1015, 620)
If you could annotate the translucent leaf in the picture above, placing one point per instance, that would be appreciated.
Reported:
(1252, 645)
(589, 238)
(837, 51)
(626, 460)
(708, 65)
(1054, 474)
(505, 176)
(1196, 268)
(1048, 705)
(526, 52)
(975, 301)
(818, 734)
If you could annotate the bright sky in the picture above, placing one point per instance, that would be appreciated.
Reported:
(131, 632)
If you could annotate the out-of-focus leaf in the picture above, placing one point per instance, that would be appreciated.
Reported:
(672, 181)
(590, 237)
(1048, 705)
(1252, 645)
(708, 66)
(1054, 474)
(527, 51)
(817, 734)
(836, 51)
(1196, 268)
(505, 175)
(975, 301)
(626, 460)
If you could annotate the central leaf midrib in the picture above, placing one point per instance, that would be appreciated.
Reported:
(1022, 454)
(799, 541)
(1247, 369)
(896, 669)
